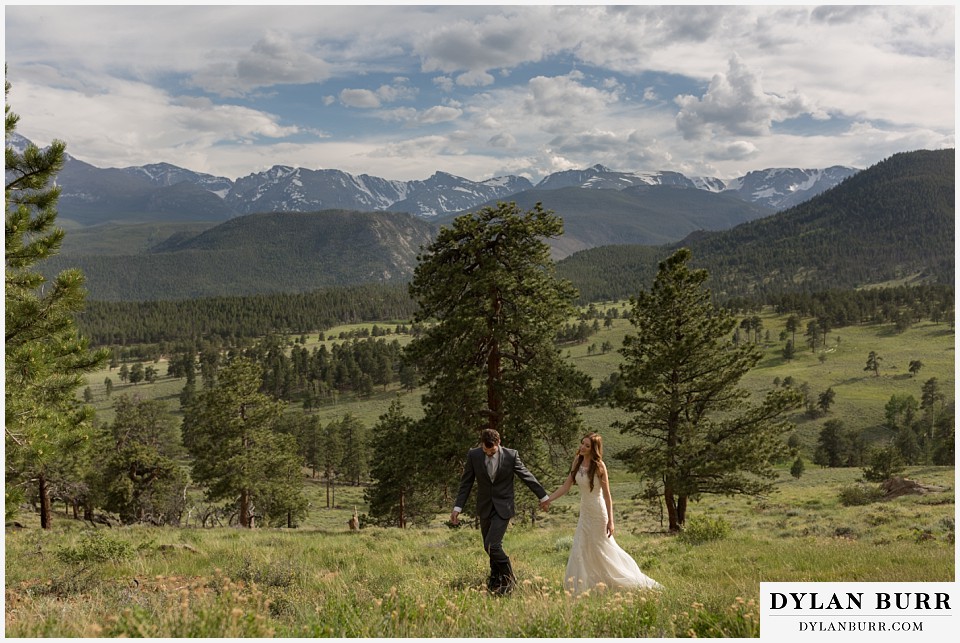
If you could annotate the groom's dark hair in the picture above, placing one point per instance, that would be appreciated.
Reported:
(489, 437)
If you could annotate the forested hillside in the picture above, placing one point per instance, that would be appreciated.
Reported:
(893, 222)
(261, 253)
(187, 320)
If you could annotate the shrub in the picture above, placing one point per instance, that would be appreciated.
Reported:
(271, 574)
(95, 547)
(704, 529)
(884, 464)
(564, 543)
(859, 494)
(948, 525)
(797, 469)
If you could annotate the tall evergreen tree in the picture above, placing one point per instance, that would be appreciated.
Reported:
(330, 459)
(45, 356)
(396, 499)
(230, 430)
(353, 441)
(487, 286)
(699, 432)
(833, 445)
(139, 477)
(792, 325)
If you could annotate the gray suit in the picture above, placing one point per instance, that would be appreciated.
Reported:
(495, 506)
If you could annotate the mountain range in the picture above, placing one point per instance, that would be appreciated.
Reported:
(891, 224)
(891, 221)
(162, 192)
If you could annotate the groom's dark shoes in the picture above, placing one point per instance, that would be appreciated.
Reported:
(502, 581)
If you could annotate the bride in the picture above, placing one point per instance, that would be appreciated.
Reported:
(595, 556)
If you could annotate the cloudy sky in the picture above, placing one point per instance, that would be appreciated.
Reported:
(485, 90)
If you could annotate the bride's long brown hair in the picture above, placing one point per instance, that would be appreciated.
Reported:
(596, 457)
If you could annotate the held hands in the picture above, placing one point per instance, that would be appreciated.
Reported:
(545, 505)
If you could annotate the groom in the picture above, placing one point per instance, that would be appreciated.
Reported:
(493, 467)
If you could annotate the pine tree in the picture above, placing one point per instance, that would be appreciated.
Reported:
(45, 356)
(330, 459)
(491, 306)
(230, 430)
(833, 445)
(138, 476)
(396, 499)
(353, 441)
(796, 469)
(699, 432)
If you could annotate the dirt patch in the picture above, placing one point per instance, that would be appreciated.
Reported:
(896, 487)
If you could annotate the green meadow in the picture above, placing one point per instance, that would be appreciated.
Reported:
(322, 579)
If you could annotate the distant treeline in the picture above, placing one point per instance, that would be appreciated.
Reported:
(189, 320)
(186, 322)
(902, 305)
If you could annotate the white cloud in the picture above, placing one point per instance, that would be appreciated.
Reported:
(440, 114)
(504, 37)
(272, 60)
(736, 103)
(140, 124)
(474, 79)
(564, 98)
(888, 68)
(503, 139)
(444, 82)
(736, 150)
(363, 98)
(368, 99)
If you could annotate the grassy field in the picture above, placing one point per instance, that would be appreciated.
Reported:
(859, 402)
(323, 580)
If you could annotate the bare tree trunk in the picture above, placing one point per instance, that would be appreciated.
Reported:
(244, 518)
(682, 510)
(671, 503)
(46, 514)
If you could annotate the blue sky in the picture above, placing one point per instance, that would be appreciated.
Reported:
(401, 91)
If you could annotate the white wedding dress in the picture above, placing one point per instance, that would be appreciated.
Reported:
(596, 558)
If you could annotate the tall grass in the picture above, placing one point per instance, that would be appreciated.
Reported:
(322, 580)
(330, 582)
